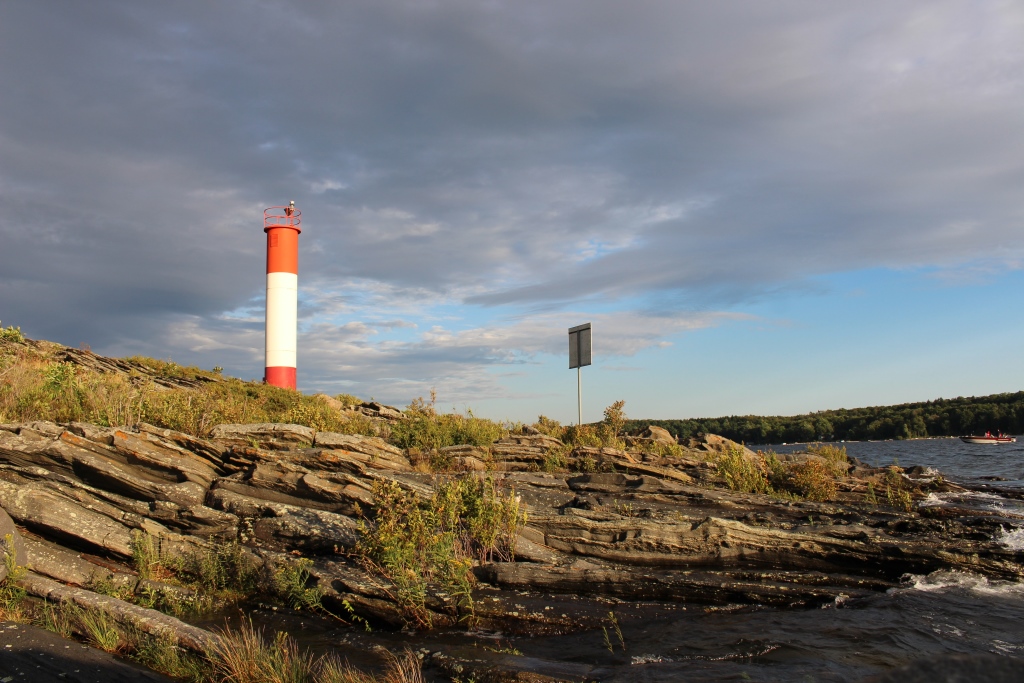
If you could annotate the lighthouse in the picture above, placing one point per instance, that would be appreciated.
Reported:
(281, 223)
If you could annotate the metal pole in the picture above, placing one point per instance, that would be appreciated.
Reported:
(579, 395)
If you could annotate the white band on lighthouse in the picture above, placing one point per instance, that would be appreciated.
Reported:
(282, 317)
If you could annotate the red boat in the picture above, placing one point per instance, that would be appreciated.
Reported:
(988, 438)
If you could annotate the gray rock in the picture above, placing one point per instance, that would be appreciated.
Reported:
(658, 435)
(275, 436)
(146, 620)
(367, 450)
(283, 527)
(66, 566)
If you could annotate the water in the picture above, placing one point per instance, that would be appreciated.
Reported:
(941, 613)
(999, 465)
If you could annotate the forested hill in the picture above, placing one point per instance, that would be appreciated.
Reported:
(941, 417)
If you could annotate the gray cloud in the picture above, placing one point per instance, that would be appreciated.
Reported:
(526, 155)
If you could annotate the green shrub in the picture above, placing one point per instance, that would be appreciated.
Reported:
(585, 436)
(742, 473)
(291, 583)
(427, 430)
(545, 425)
(348, 400)
(835, 457)
(414, 543)
(814, 480)
(11, 334)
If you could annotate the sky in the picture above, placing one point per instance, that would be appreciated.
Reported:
(762, 208)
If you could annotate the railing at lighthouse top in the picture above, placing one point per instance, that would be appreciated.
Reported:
(282, 217)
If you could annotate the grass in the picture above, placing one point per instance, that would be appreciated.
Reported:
(291, 585)
(427, 430)
(245, 655)
(896, 491)
(240, 655)
(812, 479)
(835, 457)
(11, 595)
(742, 473)
(415, 545)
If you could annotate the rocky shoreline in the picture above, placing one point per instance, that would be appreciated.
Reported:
(639, 527)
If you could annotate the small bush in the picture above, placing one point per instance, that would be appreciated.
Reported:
(545, 425)
(585, 436)
(291, 583)
(348, 400)
(223, 569)
(11, 334)
(835, 457)
(742, 473)
(426, 430)
(814, 480)
(416, 543)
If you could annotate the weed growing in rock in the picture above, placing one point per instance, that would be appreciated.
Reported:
(224, 569)
(869, 496)
(896, 489)
(244, 655)
(582, 436)
(11, 334)
(813, 479)
(834, 456)
(414, 544)
(146, 556)
(611, 426)
(614, 622)
(291, 583)
(11, 595)
(742, 473)
(427, 430)
(101, 630)
(545, 425)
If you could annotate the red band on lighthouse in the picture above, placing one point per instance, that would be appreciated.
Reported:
(281, 223)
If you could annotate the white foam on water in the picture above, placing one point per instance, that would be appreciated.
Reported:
(637, 660)
(931, 500)
(1013, 539)
(944, 580)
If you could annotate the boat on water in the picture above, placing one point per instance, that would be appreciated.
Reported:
(989, 437)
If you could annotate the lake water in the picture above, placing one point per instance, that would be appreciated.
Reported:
(962, 462)
(941, 613)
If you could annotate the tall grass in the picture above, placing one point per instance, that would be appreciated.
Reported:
(245, 655)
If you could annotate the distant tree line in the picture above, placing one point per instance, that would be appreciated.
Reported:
(941, 417)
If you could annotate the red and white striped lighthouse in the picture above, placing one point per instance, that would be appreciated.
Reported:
(281, 223)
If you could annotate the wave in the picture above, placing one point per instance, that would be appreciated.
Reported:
(950, 580)
(1012, 539)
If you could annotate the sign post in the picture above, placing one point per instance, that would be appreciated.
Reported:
(580, 354)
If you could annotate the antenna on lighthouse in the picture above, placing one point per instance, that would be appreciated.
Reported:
(281, 223)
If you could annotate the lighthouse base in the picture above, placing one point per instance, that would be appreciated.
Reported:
(280, 377)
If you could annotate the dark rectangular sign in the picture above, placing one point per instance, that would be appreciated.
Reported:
(580, 353)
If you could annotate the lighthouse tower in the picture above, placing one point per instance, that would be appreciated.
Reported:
(281, 223)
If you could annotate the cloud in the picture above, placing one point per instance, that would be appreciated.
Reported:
(460, 164)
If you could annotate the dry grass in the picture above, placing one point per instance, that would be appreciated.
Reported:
(245, 655)
(36, 385)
